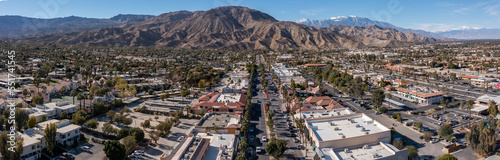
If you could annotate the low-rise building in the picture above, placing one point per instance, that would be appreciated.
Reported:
(67, 134)
(220, 102)
(219, 123)
(420, 95)
(59, 107)
(346, 131)
(378, 151)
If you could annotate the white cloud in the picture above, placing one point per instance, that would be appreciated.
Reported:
(433, 27)
(3, 0)
(492, 10)
(446, 4)
(311, 12)
(489, 7)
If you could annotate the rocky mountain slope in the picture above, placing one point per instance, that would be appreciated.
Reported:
(225, 27)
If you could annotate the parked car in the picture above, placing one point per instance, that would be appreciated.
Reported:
(258, 150)
(264, 139)
(250, 150)
(434, 140)
(251, 138)
(85, 148)
(181, 138)
(250, 129)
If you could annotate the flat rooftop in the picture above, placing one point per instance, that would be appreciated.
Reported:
(68, 128)
(362, 152)
(217, 141)
(345, 127)
(229, 97)
(326, 113)
(31, 136)
(220, 120)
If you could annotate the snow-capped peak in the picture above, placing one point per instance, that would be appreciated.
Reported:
(302, 20)
(468, 28)
(342, 17)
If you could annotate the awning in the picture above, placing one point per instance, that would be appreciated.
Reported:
(402, 97)
(394, 102)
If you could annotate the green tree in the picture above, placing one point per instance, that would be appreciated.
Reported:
(492, 108)
(114, 150)
(482, 137)
(79, 117)
(382, 110)
(398, 144)
(137, 133)
(129, 143)
(107, 128)
(111, 114)
(64, 114)
(445, 130)
(36, 100)
(427, 135)
(4, 147)
(21, 118)
(412, 152)
(92, 124)
(123, 133)
(31, 122)
(378, 97)
(50, 137)
(73, 94)
(276, 148)
(127, 121)
(154, 136)
(146, 124)
(44, 118)
(447, 157)
(419, 125)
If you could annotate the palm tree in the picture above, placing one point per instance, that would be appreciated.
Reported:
(73, 94)
(389, 96)
(469, 103)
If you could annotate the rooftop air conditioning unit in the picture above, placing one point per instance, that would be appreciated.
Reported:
(375, 155)
(366, 147)
(347, 150)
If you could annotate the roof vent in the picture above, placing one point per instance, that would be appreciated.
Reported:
(347, 150)
(366, 147)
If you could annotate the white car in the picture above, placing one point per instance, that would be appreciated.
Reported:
(264, 139)
(85, 148)
(181, 138)
(258, 150)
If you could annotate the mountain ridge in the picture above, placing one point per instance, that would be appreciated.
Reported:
(229, 27)
(362, 21)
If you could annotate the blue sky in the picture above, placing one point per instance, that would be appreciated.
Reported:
(418, 14)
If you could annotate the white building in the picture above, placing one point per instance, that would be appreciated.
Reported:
(62, 106)
(419, 95)
(33, 143)
(67, 133)
(346, 131)
(378, 151)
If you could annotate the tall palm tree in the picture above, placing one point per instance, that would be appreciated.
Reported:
(389, 96)
(469, 103)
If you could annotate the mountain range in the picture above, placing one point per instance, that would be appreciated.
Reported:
(15, 26)
(223, 27)
(472, 33)
(362, 21)
(465, 33)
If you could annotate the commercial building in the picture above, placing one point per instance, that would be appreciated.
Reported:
(378, 151)
(220, 102)
(419, 95)
(346, 131)
(286, 74)
(219, 123)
